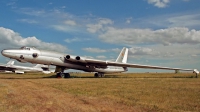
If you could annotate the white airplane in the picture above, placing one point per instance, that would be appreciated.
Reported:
(66, 61)
(10, 67)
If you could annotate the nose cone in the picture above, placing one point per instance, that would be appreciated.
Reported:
(5, 53)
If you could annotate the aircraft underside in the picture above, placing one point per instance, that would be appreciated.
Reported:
(99, 72)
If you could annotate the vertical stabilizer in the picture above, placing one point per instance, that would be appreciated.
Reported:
(41, 66)
(122, 58)
(11, 62)
(37, 66)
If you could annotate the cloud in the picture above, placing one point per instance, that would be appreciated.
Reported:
(187, 20)
(70, 22)
(93, 28)
(33, 12)
(9, 38)
(65, 28)
(94, 50)
(159, 3)
(128, 20)
(131, 36)
(190, 20)
(30, 21)
(72, 40)
(140, 51)
(101, 57)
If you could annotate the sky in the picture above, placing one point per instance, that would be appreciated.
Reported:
(157, 32)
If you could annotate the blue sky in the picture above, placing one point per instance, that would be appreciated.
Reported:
(158, 32)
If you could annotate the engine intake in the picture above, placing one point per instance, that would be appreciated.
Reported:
(68, 57)
(78, 57)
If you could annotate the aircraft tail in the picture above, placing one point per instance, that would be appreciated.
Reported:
(44, 67)
(11, 62)
(41, 66)
(122, 58)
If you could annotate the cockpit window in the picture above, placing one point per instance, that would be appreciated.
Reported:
(25, 48)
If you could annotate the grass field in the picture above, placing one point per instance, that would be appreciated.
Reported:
(135, 92)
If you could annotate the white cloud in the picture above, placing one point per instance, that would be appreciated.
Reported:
(116, 50)
(70, 22)
(190, 20)
(128, 20)
(140, 51)
(30, 21)
(94, 50)
(186, 20)
(33, 12)
(72, 40)
(101, 57)
(159, 3)
(130, 36)
(9, 38)
(65, 28)
(93, 28)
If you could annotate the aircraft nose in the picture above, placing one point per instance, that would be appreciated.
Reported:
(5, 52)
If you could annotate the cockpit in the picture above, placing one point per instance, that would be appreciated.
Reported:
(27, 48)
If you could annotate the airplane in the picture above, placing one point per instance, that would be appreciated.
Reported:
(66, 61)
(10, 67)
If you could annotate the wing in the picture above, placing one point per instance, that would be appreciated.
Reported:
(104, 64)
(6, 67)
(109, 63)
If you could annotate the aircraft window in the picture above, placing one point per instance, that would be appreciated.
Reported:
(25, 48)
(35, 55)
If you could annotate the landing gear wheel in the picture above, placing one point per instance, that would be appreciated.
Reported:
(58, 75)
(62, 75)
(67, 75)
(98, 75)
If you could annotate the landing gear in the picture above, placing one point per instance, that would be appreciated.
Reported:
(99, 75)
(196, 75)
(62, 75)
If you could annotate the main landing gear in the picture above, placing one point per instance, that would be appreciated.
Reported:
(62, 75)
(99, 75)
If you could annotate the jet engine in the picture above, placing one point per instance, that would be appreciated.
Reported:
(70, 58)
(79, 59)
(75, 59)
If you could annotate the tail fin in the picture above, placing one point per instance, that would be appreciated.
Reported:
(122, 58)
(44, 67)
(11, 62)
(37, 66)
(41, 66)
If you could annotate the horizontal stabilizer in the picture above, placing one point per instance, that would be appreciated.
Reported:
(11, 62)
(196, 71)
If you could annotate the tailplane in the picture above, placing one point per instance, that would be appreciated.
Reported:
(37, 66)
(44, 67)
(11, 62)
(122, 58)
